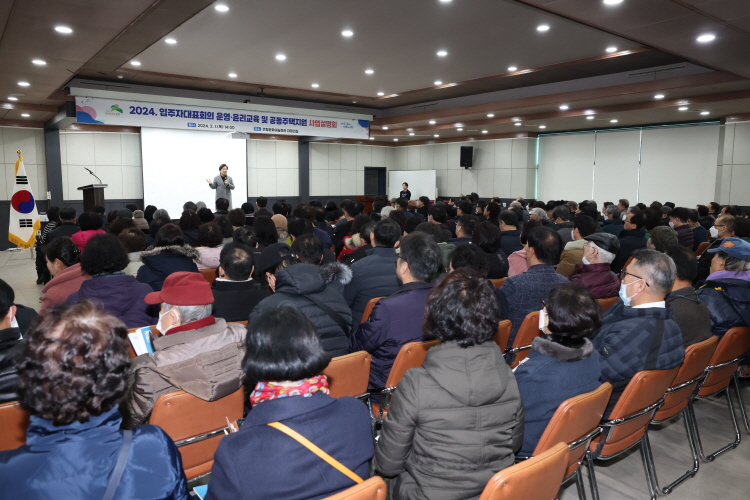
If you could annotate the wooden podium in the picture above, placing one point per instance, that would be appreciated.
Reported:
(93, 194)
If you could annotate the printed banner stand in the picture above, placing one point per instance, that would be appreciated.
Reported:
(24, 218)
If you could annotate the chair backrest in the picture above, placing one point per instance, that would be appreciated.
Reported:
(732, 345)
(525, 335)
(156, 333)
(537, 478)
(627, 262)
(702, 248)
(645, 389)
(697, 357)
(503, 333)
(209, 275)
(411, 355)
(498, 282)
(605, 304)
(368, 308)
(349, 374)
(14, 421)
(371, 489)
(183, 416)
(575, 419)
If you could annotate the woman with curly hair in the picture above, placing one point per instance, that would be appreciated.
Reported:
(73, 372)
(457, 420)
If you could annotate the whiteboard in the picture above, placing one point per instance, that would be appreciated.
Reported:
(421, 183)
(176, 164)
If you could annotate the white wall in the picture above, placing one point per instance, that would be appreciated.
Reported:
(113, 156)
(339, 169)
(733, 177)
(272, 168)
(31, 143)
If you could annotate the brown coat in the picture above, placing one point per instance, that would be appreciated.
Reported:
(206, 363)
(572, 256)
(66, 282)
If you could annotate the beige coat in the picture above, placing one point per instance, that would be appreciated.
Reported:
(206, 363)
(572, 256)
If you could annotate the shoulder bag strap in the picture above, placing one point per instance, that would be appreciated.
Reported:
(653, 352)
(122, 460)
(322, 454)
(331, 313)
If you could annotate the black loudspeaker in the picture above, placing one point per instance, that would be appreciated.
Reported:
(467, 155)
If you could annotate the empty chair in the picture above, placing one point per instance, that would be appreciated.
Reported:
(576, 423)
(503, 333)
(498, 282)
(702, 248)
(679, 394)
(607, 303)
(628, 423)
(537, 478)
(348, 374)
(196, 426)
(371, 489)
(528, 330)
(14, 421)
(368, 308)
(720, 374)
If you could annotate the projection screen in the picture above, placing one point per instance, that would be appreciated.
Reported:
(176, 164)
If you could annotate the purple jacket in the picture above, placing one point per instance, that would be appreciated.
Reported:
(395, 321)
(601, 282)
(121, 296)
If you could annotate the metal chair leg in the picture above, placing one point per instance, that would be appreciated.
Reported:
(579, 484)
(730, 446)
(736, 382)
(648, 466)
(592, 476)
(690, 473)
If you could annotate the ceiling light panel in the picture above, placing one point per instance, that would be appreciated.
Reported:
(442, 53)
(347, 33)
(542, 28)
(220, 7)
(706, 38)
(280, 57)
(65, 30)
(39, 62)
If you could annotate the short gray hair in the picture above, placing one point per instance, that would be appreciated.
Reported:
(733, 264)
(604, 255)
(161, 214)
(613, 211)
(656, 268)
(188, 314)
(200, 204)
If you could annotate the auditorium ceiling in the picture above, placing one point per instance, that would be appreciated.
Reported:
(491, 68)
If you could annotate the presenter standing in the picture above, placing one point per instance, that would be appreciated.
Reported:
(405, 193)
(223, 184)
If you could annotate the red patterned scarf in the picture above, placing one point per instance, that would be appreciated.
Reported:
(265, 391)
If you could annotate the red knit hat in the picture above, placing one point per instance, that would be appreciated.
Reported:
(183, 289)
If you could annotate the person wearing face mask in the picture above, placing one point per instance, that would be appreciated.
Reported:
(678, 220)
(639, 332)
(724, 228)
(594, 273)
(198, 353)
(573, 251)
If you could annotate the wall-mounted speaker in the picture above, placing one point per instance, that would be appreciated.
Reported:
(467, 155)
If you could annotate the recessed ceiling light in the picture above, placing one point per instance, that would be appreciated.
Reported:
(682, 108)
(612, 2)
(611, 50)
(705, 112)
(460, 129)
(659, 96)
(11, 98)
(512, 68)
(706, 38)
(385, 127)
(516, 119)
(442, 53)
(171, 41)
(24, 84)
(438, 82)
(432, 122)
(232, 75)
(542, 27)
(381, 93)
(484, 131)
(393, 95)
(589, 117)
(280, 57)
(120, 76)
(518, 124)
(25, 115)
(395, 140)
(315, 85)
(354, 102)
(347, 33)
(372, 138)
(458, 125)
(411, 133)
(39, 62)
(542, 126)
(614, 120)
(446, 1)
(588, 112)
(436, 135)
(369, 71)
(135, 63)
(64, 30)
(564, 107)
(221, 7)
(409, 129)
(490, 115)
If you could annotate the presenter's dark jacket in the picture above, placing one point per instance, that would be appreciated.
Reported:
(235, 300)
(260, 462)
(160, 262)
(405, 194)
(75, 461)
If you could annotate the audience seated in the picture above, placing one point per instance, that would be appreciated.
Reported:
(210, 240)
(283, 363)
(222, 206)
(469, 256)
(205, 215)
(53, 220)
(613, 224)
(458, 419)
(189, 223)
(687, 309)
(365, 235)
(464, 228)
(351, 210)
(423, 207)
(700, 235)
(437, 215)
(463, 208)
(139, 218)
(63, 261)
(235, 292)
(307, 249)
(134, 242)
(525, 292)
(517, 260)
(281, 227)
(74, 438)
(352, 241)
(90, 225)
(563, 225)
(397, 319)
(375, 275)
(639, 332)
(562, 363)
(662, 239)
(198, 353)
(67, 226)
(511, 235)
(679, 221)
(572, 254)
(120, 295)
(10, 344)
(595, 272)
(726, 291)
(724, 227)
(120, 224)
(632, 238)
(169, 255)
(489, 239)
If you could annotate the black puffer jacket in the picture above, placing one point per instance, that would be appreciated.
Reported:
(10, 344)
(728, 301)
(160, 262)
(294, 286)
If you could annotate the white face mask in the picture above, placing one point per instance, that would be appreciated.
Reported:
(159, 325)
(543, 320)
(573, 234)
(671, 224)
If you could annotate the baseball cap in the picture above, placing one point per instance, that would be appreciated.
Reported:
(736, 247)
(183, 288)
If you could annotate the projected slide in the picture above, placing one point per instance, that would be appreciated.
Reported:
(176, 164)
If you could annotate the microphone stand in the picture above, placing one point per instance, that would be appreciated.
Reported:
(92, 173)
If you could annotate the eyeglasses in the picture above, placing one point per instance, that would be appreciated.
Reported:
(719, 225)
(624, 273)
